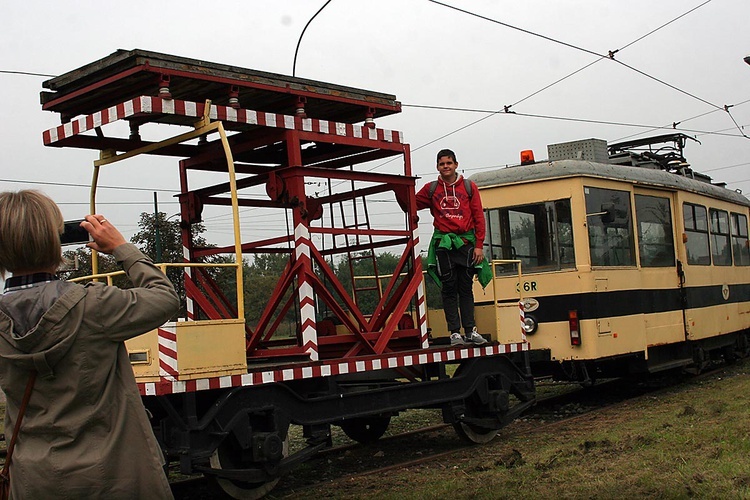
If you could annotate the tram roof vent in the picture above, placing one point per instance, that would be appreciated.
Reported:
(588, 149)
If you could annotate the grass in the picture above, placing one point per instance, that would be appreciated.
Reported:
(692, 441)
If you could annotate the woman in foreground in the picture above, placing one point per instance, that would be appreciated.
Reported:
(85, 433)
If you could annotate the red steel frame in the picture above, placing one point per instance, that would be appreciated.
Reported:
(378, 334)
(370, 342)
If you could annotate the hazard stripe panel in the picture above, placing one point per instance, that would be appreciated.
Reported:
(144, 105)
(169, 385)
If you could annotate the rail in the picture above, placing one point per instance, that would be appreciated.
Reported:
(163, 266)
(493, 264)
(202, 127)
(498, 262)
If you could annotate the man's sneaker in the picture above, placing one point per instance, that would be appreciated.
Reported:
(475, 338)
(457, 339)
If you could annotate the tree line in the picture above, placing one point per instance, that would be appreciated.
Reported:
(261, 273)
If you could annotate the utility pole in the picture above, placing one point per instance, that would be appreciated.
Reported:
(157, 235)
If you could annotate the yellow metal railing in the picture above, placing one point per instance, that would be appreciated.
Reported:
(202, 127)
(163, 266)
(498, 262)
(495, 276)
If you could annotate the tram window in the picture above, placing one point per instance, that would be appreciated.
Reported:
(740, 241)
(696, 230)
(539, 235)
(720, 251)
(608, 218)
(655, 237)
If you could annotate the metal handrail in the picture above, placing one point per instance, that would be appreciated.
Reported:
(163, 266)
(202, 127)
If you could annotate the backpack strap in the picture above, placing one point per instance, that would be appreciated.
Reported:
(433, 187)
(467, 186)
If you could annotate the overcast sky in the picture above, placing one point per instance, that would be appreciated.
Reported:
(424, 53)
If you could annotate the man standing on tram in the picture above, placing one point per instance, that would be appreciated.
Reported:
(456, 248)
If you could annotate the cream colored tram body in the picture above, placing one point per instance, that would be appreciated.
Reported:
(630, 265)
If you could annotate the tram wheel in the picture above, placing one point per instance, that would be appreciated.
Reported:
(474, 407)
(473, 434)
(366, 430)
(229, 456)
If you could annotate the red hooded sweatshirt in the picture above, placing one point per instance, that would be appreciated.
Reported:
(452, 209)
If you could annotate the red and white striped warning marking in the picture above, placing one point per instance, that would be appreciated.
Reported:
(144, 105)
(267, 375)
(305, 293)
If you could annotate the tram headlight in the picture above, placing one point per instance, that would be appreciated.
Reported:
(529, 324)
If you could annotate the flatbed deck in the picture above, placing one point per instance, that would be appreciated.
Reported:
(126, 74)
(266, 373)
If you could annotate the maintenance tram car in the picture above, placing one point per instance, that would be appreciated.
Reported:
(222, 392)
(633, 263)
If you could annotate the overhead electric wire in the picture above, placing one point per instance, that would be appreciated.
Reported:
(528, 32)
(554, 83)
(70, 184)
(676, 123)
(725, 167)
(607, 57)
(98, 203)
(564, 118)
(26, 73)
(506, 109)
(610, 55)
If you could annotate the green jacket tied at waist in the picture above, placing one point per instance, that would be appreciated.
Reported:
(451, 241)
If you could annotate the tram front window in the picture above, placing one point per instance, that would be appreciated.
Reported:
(539, 235)
(608, 218)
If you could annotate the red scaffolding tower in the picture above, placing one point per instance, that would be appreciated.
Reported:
(284, 134)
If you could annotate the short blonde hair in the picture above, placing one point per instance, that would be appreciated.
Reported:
(30, 228)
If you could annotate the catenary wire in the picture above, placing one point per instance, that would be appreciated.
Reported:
(507, 108)
(676, 123)
(25, 73)
(563, 118)
(610, 55)
(601, 58)
(70, 184)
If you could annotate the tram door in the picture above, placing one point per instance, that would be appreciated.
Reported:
(660, 268)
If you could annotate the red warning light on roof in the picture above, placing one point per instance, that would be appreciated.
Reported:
(527, 157)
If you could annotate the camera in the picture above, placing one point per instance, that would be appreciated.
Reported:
(74, 234)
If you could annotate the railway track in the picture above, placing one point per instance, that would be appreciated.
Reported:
(437, 441)
(434, 443)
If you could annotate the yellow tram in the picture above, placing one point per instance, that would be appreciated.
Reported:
(632, 262)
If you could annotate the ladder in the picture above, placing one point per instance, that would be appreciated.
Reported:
(359, 248)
